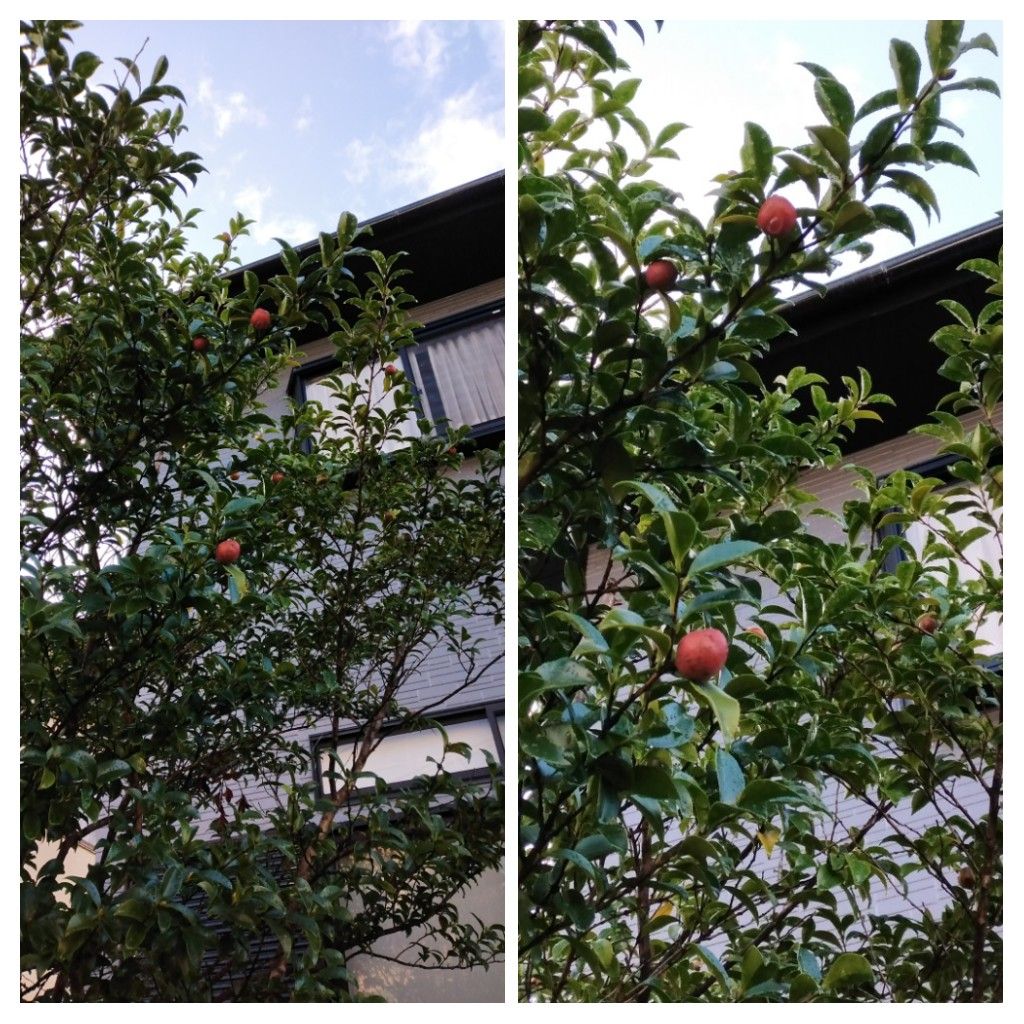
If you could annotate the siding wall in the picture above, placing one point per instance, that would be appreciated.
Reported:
(440, 674)
(834, 487)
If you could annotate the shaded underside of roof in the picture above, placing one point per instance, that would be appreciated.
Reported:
(881, 319)
(454, 241)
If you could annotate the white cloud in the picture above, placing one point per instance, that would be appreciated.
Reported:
(418, 46)
(294, 230)
(251, 199)
(465, 142)
(357, 160)
(228, 110)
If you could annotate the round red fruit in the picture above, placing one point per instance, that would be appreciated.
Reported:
(660, 274)
(235, 475)
(277, 477)
(228, 551)
(927, 623)
(199, 343)
(391, 369)
(777, 216)
(701, 654)
(260, 320)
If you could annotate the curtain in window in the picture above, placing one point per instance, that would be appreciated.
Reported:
(461, 374)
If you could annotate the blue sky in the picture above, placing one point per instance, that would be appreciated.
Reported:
(299, 120)
(715, 75)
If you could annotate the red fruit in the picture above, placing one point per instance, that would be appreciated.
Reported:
(777, 216)
(228, 551)
(927, 623)
(235, 475)
(701, 654)
(756, 631)
(200, 344)
(260, 320)
(276, 477)
(660, 275)
(390, 369)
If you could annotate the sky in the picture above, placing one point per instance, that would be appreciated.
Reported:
(714, 76)
(298, 120)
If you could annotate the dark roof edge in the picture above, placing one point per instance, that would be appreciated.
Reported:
(439, 199)
(899, 267)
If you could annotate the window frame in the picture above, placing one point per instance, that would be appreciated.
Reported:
(481, 435)
(486, 712)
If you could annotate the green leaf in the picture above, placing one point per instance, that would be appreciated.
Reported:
(730, 776)
(668, 133)
(562, 674)
(238, 584)
(974, 85)
(241, 504)
(756, 152)
(878, 142)
(85, 64)
(722, 554)
(725, 708)
(853, 216)
(89, 888)
(849, 969)
(880, 101)
(948, 153)
(834, 142)
(906, 65)
(592, 639)
(835, 102)
(111, 770)
(894, 218)
(808, 963)
(653, 782)
(942, 38)
(915, 187)
(714, 963)
(594, 40)
(135, 909)
(681, 530)
(660, 500)
(532, 120)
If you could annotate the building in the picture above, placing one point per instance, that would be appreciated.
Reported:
(453, 246)
(882, 318)
(453, 243)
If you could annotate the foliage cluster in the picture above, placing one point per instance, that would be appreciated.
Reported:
(683, 841)
(166, 698)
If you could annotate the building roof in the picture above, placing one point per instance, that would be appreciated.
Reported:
(881, 318)
(454, 240)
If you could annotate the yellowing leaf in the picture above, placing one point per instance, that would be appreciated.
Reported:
(768, 839)
(665, 908)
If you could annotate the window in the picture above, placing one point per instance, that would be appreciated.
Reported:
(459, 372)
(456, 368)
(403, 753)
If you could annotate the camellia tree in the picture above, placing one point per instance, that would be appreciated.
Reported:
(702, 678)
(201, 584)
